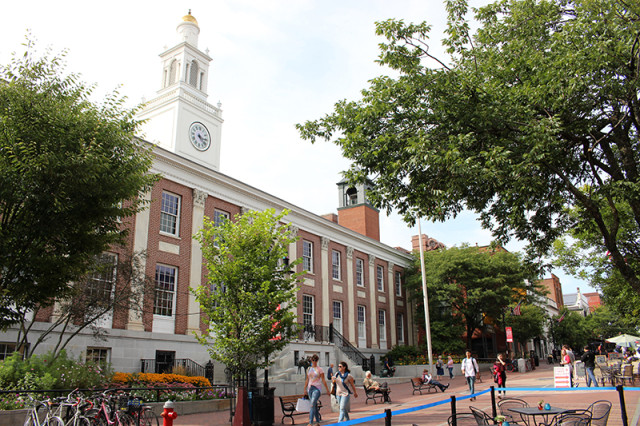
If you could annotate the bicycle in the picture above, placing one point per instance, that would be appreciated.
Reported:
(76, 409)
(107, 414)
(142, 414)
(35, 417)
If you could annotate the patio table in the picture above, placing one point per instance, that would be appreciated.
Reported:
(526, 412)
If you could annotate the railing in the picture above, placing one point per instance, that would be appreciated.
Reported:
(321, 333)
(191, 367)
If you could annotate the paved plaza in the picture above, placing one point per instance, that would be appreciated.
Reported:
(403, 399)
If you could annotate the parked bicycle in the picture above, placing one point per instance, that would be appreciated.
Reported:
(40, 414)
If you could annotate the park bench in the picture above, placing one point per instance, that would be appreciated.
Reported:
(372, 394)
(288, 404)
(419, 386)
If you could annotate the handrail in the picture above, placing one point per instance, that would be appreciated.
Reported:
(321, 333)
(191, 367)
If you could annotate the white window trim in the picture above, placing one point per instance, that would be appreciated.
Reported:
(336, 264)
(175, 292)
(360, 262)
(310, 257)
(380, 278)
(179, 210)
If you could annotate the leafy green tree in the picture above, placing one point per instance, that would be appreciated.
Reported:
(583, 254)
(71, 172)
(569, 328)
(250, 294)
(536, 110)
(604, 323)
(528, 325)
(467, 285)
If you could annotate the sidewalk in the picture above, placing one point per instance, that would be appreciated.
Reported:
(403, 398)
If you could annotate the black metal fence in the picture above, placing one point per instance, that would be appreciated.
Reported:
(191, 367)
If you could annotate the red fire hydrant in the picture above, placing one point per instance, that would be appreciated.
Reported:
(168, 414)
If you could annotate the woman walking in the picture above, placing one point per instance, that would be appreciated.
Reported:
(439, 368)
(450, 367)
(500, 374)
(315, 377)
(345, 386)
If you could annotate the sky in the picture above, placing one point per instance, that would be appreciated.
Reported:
(275, 63)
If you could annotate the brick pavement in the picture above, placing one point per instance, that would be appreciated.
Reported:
(403, 399)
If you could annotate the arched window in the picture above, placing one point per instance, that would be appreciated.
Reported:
(173, 72)
(352, 197)
(193, 74)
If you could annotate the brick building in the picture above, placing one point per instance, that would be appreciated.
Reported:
(354, 282)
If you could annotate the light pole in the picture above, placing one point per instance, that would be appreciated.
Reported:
(427, 323)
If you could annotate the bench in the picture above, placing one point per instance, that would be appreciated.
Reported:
(373, 394)
(288, 404)
(419, 386)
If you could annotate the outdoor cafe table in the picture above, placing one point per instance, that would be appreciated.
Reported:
(526, 412)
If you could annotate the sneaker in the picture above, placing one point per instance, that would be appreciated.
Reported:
(447, 385)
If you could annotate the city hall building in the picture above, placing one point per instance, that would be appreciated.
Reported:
(354, 282)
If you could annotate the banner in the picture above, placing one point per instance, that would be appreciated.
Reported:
(562, 377)
(509, 334)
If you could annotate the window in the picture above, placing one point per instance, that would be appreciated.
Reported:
(380, 277)
(400, 328)
(359, 272)
(307, 256)
(307, 317)
(362, 327)
(337, 316)
(101, 282)
(335, 264)
(398, 284)
(170, 214)
(307, 310)
(219, 217)
(98, 355)
(382, 324)
(166, 278)
(6, 349)
(193, 74)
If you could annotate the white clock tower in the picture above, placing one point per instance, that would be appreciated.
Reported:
(180, 119)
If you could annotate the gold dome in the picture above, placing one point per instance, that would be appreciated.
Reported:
(189, 18)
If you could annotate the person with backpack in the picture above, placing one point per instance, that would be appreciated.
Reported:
(470, 369)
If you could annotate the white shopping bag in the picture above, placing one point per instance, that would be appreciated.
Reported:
(335, 407)
(303, 405)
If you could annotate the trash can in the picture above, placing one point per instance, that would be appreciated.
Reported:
(261, 404)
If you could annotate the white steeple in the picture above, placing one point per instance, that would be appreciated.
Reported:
(188, 30)
(180, 119)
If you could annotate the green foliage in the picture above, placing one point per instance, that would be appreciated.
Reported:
(534, 111)
(572, 330)
(604, 323)
(70, 172)
(467, 287)
(529, 324)
(583, 254)
(399, 354)
(46, 372)
(250, 296)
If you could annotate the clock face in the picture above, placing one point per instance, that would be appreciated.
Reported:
(199, 136)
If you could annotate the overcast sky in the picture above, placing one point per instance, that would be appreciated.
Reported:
(275, 63)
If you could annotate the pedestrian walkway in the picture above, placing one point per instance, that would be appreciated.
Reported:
(404, 400)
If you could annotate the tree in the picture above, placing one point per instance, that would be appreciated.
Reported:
(250, 293)
(470, 285)
(528, 325)
(70, 173)
(582, 253)
(603, 323)
(538, 109)
(114, 285)
(569, 328)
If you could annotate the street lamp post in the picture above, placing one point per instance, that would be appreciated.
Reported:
(427, 323)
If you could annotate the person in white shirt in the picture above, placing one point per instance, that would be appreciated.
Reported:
(470, 368)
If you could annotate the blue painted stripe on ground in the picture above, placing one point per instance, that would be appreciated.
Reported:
(446, 401)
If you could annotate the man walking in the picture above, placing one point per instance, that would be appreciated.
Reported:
(589, 360)
(470, 368)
